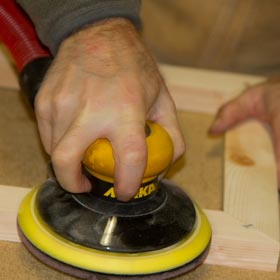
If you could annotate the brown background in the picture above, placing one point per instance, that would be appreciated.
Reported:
(232, 35)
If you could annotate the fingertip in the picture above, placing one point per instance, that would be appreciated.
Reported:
(127, 191)
(68, 171)
(85, 185)
(127, 182)
(217, 127)
(124, 195)
(228, 116)
(75, 186)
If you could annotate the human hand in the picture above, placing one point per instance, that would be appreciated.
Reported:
(103, 84)
(261, 102)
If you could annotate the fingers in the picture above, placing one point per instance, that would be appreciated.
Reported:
(68, 155)
(60, 139)
(260, 102)
(130, 154)
(44, 127)
(165, 114)
(249, 104)
(171, 125)
(52, 107)
(119, 84)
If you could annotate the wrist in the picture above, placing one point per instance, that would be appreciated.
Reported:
(109, 45)
(107, 31)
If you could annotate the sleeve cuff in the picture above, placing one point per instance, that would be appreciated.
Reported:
(56, 20)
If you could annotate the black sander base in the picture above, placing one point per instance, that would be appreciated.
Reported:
(75, 246)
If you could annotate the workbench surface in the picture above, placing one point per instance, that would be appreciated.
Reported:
(23, 163)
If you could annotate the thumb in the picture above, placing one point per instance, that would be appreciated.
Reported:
(248, 105)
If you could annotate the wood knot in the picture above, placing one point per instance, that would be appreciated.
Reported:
(241, 159)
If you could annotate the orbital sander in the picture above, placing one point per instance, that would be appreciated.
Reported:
(159, 234)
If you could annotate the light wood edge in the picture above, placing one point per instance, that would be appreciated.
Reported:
(240, 245)
(204, 91)
(250, 178)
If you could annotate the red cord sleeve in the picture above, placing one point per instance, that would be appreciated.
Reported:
(18, 34)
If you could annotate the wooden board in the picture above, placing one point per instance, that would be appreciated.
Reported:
(246, 232)
(203, 90)
(250, 179)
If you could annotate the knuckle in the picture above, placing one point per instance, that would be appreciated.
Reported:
(60, 101)
(126, 194)
(134, 153)
(61, 158)
(41, 107)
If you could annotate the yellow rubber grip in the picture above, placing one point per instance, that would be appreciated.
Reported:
(99, 160)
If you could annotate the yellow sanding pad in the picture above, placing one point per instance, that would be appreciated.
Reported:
(42, 237)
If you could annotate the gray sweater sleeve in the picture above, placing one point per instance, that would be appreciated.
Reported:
(56, 19)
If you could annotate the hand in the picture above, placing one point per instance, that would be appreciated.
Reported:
(261, 102)
(103, 84)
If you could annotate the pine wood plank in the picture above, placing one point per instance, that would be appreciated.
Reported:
(240, 245)
(250, 180)
(204, 90)
(10, 198)
(250, 192)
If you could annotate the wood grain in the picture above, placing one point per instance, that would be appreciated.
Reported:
(250, 192)
(236, 244)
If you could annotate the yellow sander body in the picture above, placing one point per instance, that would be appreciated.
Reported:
(159, 232)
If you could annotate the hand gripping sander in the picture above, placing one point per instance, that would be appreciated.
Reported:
(158, 234)
(159, 230)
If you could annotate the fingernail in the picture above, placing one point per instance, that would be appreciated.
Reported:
(123, 198)
(86, 185)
